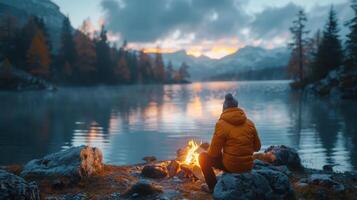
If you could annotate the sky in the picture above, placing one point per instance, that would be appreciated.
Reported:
(214, 28)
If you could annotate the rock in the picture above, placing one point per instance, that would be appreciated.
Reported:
(15, 187)
(328, 168)
(325, 180)
(149, 159)
(242, 186)
(285, 156)
(258, 184)
(79, 196)
(172, 168)
(261, 165)
(154, 171)
(74, 163)
(278, 182)
(143, 188)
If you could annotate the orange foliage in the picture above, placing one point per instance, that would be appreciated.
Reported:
(122, 69)
(86, 52)
(6, 71)
(38, 55)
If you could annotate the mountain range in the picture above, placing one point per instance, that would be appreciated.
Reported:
(248, 60)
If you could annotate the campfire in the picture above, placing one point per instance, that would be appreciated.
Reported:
(192, 153)
(186, 164)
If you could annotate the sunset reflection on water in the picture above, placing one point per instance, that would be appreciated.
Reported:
(131, 122)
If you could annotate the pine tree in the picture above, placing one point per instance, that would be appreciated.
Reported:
(169, 72)
(329, 55)
(351, 43)
(311, 52)
(38, 56)
(145, 67)
(104, 64)
(297, 59)
(67, 53)
(8, 38)
(183, 74)
(159, 67)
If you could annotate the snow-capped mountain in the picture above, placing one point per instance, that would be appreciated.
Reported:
(245, 59)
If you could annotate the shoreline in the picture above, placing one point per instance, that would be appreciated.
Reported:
(116, 180)
(78, 173)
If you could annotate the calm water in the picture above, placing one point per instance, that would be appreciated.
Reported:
(131, 122)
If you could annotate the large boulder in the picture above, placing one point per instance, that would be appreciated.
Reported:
(285, 156)
(261, 165)
(74, 163)
(15, 187)
(258, 184)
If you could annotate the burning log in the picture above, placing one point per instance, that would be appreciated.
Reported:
(173, 168)
(186, 164)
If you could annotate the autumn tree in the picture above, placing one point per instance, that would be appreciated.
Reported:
(86, 61)
(122, 68)
(38, 56)
(297, 59)
(5, 70)
(329, 55)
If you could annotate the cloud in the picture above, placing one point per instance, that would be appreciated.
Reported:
(154, 19)
(273, 21)
(177, 24)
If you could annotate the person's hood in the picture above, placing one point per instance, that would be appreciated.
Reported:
(234, 116)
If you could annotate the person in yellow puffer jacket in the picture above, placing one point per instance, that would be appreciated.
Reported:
(234, 141)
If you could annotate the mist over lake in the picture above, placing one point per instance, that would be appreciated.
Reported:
(130, 122)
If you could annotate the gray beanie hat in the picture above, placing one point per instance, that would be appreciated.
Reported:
(229, 102)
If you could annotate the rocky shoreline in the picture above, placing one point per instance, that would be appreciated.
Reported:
(78, 173)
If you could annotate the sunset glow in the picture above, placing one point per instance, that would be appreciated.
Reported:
(219, 52)
(159, 50)
(214, 53)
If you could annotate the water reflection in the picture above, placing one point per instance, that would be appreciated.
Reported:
(130, 122)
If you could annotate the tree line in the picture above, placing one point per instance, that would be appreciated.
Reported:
(312, 58)
(82, 58)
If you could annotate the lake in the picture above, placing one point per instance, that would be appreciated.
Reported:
(130, 122)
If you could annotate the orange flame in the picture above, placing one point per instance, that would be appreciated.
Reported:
(192, 154)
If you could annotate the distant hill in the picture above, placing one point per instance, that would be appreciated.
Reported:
(45, 9)
(247, 60)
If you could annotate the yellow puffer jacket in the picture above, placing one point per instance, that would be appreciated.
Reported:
(238, 138)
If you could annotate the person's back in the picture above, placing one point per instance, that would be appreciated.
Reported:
(237, 137)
